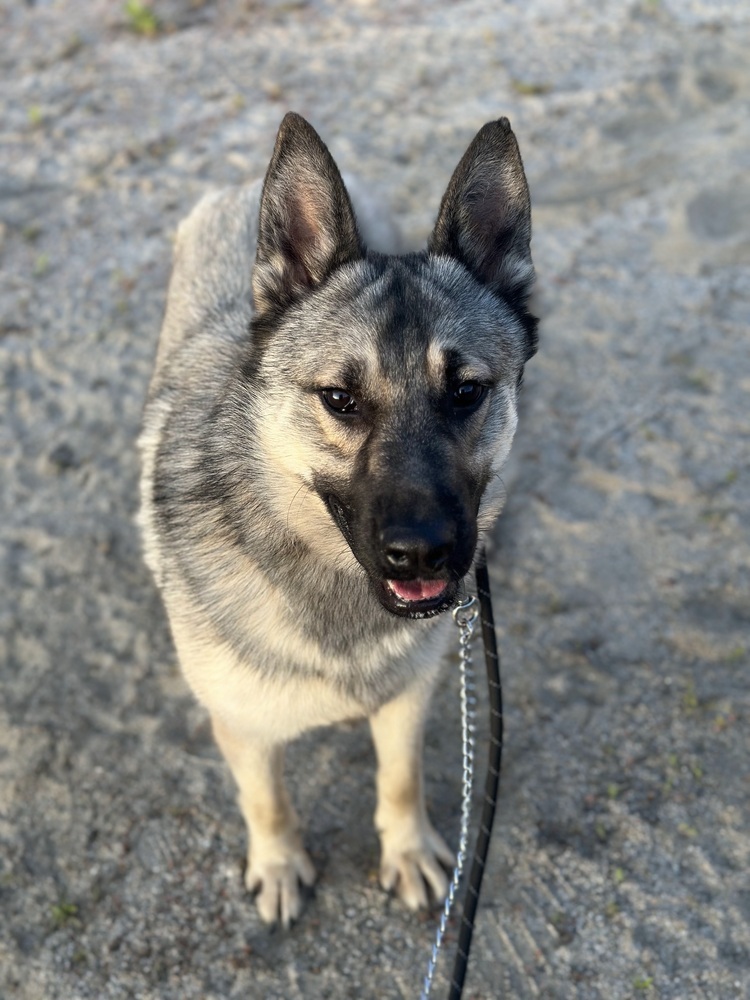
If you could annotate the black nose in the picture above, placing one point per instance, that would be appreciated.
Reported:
(412, 551)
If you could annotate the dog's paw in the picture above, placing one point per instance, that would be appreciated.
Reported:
(274, 874)
(409, 865)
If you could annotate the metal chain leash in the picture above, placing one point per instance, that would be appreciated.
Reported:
(465, 615)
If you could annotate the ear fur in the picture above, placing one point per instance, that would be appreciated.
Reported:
(485, 215)
(306, 226)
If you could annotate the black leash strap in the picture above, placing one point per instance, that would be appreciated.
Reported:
(492, 781)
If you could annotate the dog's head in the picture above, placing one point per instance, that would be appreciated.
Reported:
(389, 384)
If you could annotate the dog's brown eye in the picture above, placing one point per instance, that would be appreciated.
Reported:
(340, 401)
(468, 394)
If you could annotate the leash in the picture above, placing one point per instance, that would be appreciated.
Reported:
(491, 783)
(465, 616)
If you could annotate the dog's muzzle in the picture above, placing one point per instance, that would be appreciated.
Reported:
(408, 567)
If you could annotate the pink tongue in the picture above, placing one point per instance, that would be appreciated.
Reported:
(417, 590)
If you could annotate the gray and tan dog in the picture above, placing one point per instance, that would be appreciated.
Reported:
(321, 451)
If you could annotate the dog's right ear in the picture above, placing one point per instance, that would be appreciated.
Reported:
(306, 226)
(485, 215)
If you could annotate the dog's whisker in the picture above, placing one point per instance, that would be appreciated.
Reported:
(305, 487)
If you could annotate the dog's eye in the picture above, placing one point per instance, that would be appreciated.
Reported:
(468, 394)
(340, 401)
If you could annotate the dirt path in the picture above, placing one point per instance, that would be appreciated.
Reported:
(620, 865)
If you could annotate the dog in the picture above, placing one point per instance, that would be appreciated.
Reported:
(321, 453)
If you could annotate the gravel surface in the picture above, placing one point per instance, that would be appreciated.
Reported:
(622, 574)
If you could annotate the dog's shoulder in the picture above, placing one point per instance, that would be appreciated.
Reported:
(377, 225)
(210, 288)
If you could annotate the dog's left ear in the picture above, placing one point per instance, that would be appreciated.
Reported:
(485, 215)
(306, 226)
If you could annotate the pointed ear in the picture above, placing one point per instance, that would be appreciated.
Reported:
(485, 215)
(306, 226)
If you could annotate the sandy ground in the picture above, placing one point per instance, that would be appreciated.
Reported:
(622, 575)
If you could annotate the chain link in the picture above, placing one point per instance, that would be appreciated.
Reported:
(465, 616)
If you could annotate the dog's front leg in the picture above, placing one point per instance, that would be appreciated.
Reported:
(412, 852)
(276, 861)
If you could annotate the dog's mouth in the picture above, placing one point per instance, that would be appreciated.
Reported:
(416, 598)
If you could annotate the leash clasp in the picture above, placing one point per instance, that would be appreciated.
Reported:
(466, 612)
